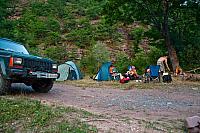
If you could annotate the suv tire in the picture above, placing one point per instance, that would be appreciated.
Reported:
(4, 85)
(43, 86)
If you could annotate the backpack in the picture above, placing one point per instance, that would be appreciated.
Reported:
(167, 78)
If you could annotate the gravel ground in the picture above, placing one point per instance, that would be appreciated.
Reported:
(134, 110)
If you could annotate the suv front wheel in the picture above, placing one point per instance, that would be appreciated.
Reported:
(43, 86)
(4, 85)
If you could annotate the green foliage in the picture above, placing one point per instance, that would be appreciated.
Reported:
(155, 38)
(52, 8)
(52, 38)
(82, 34)
(52, 24)
(35, 51)
(104, 31)
(58, 53)
(6, 8)
(186, 34)
(142, 60)
(47, 22)
(33, 31)
(153, 33)
(80, 22)
(138, 35)
(182, 20)
(100, 52)
(190, 57)
(6, 27)
(97, 55)
(34, 26)
(3, 7)
(122, 62)
(90, 8)
(88, 64)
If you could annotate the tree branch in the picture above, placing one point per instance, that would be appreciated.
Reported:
(151, 16)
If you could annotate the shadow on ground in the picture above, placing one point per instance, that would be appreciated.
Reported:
(18, 88)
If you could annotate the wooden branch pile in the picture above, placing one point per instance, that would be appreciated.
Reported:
(194, 70)
(191, 77)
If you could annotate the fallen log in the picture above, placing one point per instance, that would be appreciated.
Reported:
(191, 77)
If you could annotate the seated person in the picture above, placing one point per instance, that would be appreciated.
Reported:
(124, 79)
(147, 74)
(132, 73)
(113, 72)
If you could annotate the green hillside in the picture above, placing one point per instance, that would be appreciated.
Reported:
(91, 32)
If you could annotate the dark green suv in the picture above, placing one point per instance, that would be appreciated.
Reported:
(18, 66)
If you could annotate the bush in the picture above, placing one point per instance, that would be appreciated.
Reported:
(97, 55)
(81, 34)
(189, 58)
(57, 53)
(88, 64)
(137, 34)
(35, 51)
(122, 62)
(142, 60)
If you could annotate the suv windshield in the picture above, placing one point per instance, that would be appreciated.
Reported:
(12, 46)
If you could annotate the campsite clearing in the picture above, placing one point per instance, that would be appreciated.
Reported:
(132, 107)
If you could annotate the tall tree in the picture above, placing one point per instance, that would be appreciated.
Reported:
(166, 35)
(154, 12)
(185, 32)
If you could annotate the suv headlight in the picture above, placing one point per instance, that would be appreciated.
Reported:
(17, 61)
(54, 66)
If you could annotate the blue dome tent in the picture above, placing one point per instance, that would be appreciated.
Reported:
(103, 73)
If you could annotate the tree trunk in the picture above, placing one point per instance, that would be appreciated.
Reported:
(165, 31)
(172, 54)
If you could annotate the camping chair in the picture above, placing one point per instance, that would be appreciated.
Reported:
(154, 72)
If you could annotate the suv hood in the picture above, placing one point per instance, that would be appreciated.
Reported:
(37, 58)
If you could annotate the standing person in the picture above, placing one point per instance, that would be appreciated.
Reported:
(162, 61)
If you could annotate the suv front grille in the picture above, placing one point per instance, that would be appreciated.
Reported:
(37, 65)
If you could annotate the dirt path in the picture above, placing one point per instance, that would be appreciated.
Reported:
(135, 110)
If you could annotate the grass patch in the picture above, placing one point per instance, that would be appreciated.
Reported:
(165, 126)
(25, 115)
(160, 125)
(132, 84)
(87, 82)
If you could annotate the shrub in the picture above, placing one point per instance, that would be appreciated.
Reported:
(122, 62)
(137, 34)
(189, 58)
(57, 53)
(142, 60)
(97, 55)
